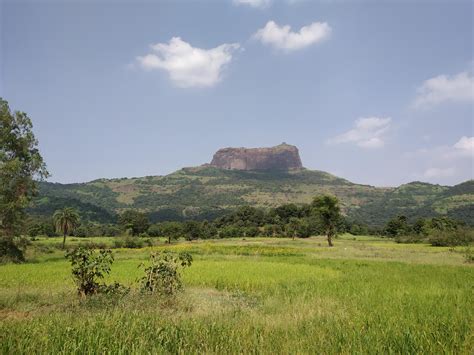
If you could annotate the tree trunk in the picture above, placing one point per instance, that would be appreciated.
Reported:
(330, 239)
(64, 241)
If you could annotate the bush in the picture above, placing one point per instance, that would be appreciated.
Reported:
(10, 251)
(163, 276)
(88, 267)
(408, 239)
(459, 236)
(129, 242)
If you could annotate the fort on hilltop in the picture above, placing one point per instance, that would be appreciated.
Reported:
(280, 157)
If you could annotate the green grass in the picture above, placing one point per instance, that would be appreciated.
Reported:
(365, 295)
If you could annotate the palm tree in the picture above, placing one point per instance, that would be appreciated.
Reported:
(66, 220)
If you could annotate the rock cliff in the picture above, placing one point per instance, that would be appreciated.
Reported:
(280, 157)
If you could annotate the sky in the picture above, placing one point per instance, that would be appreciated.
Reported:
(377, 92)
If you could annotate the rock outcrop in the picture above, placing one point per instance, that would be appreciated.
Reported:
(280, 157)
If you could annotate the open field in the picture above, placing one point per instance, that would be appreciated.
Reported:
(255, 296)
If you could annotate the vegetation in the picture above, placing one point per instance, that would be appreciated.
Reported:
(207, 193)
(20, 164)
(271, 295)
(329, 213)
(66, 220)
(163, 275)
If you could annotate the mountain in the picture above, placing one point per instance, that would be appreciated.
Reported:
(208, 191)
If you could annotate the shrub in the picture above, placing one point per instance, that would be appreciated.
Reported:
(459, 236)
(88, 267)
(469, 255)
(10, 251)
(129, 242)
(408, 239)
(163, 276)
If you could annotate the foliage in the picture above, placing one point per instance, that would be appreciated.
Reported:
(328, 211)
(163, 275)
(397, 226)
(172, 230)
(458, 236)
(10, 251)
(66, 220)
(210, 193)
(20, 164)
(135, 221)
(88, 267)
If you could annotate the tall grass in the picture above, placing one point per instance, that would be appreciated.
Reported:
(264, 299)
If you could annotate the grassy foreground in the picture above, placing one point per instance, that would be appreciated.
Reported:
(365, 295)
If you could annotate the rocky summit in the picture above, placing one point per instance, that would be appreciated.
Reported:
(280, 157)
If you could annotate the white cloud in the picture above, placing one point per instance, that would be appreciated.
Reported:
(369, 132)
(444, 88)
(439, 173)
(253, 3)
(283, 38)
(465, 146)
(446, 162)
(188, 66)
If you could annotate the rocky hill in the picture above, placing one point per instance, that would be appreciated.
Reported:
(207, 192)
(280, 157)
(261, 177)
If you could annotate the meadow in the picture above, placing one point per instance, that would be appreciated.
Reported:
(254, 295)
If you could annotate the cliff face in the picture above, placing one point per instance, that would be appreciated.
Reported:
(280, 157)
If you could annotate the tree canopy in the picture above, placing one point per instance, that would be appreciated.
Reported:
(21, 164)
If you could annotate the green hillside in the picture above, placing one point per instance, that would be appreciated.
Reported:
(207, 192)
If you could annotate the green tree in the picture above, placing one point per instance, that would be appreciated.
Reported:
(65, 221)
(192, 230)
(21, 165)
(135, 221)
(328, 211)
(172, 230)
(397, 226)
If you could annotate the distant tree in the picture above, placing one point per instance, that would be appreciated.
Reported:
(20, 165)
(328, 211)
(66, 220)
(292, 227)
(192, 230)
(172, 230)
(397, 226)
(135, 221)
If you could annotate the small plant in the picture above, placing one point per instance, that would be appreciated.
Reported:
(88, 267)
(469, 255)
(163, 276)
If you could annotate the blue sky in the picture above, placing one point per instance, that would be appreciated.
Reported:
(378, 92)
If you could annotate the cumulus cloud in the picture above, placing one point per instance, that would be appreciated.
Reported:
(369, 132)
(281, 37)
(445, 88)
(465, 145)
(189, 66)
(253, 3)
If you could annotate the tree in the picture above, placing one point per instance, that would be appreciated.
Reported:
(192, 230)
(328, 211)
(65, 221)
(135, 221)
(20, 165)
(397, 226)
(172, 230)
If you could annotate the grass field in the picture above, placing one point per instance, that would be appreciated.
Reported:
(365, 295)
